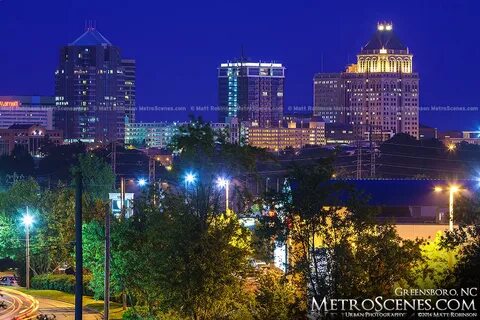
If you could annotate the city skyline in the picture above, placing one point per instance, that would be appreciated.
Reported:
(194, 50)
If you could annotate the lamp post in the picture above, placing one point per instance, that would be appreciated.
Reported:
(27, 222)
(224, 183)
(452, 189)
(142, 182)
(189, 179)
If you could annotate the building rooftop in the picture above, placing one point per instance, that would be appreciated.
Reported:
(384, 38)
(91, 37)
(21, 126)
(252, 64)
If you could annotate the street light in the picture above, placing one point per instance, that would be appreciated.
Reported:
(142, 182)
(452, 189)
(224, 183)
(190, 178)
(27, 222)
(451, 147)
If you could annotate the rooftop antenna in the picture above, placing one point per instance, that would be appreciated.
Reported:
(321, 62)
(242, 54)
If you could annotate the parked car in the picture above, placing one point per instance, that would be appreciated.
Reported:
(9, 281)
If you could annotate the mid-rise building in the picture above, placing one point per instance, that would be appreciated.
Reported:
(89, 81)
(379, 94)
(26, 110)
(129, 88)
(29, 136)
(292, 135)
(453, 138)
(159, 134)
(251, 91)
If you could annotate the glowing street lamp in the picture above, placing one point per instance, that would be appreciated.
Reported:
(142, 182)
(451, 147)
(452, 189)
(190, 178)
(224, 183)
(27, 221)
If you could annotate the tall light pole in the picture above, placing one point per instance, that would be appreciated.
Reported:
(190, 178)
(452, 189)
(27, 222)
(224, 183)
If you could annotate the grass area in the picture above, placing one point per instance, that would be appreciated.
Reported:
(88, 302)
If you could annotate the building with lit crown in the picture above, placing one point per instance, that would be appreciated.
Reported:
(90, 90)
(379, 94)
(251, 91)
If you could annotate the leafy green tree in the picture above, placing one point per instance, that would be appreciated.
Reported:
(97, 176)
(467, 241)
(337, 248)
(436, 264)
(276, 298)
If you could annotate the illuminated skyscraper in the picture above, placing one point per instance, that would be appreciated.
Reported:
(88, 89)
(251, 91)
(378, 94)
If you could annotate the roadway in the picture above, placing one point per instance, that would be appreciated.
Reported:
(22, 306)
(17, 305)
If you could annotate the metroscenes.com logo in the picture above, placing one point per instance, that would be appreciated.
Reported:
(422, 303)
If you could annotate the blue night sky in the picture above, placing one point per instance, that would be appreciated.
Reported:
(179, 44)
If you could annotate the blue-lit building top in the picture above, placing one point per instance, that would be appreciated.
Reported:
(251, 91)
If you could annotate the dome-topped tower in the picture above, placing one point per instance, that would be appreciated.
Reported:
(383, 53)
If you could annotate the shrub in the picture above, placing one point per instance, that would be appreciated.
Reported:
(60, 282)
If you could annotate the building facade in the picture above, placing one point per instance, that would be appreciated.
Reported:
(29, 136)
(379, 94)
(293, 135)
(159, 134)
(129, 88)
(471, 137)
(27, 110)
(251, 91)
(89, 81)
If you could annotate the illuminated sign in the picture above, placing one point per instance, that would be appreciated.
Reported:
(14, 104)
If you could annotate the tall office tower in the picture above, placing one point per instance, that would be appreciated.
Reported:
(128, 86)
(251, 91)
(380, 92)
(88, 90)
(329, 97)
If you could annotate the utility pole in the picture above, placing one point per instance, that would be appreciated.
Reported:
(122, 216)
(151, 169)
(114, 158)
(78, 248)
(27, 253)
(372, 153)
(359, 159)
(122, 197)
(106, 294)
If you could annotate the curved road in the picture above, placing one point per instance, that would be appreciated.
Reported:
(16, 305)
(21, 306)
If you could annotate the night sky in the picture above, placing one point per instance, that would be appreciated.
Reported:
(178, 45)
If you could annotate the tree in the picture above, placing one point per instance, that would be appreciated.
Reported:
(19, 161)
(337, 249)
(467, 240)
(97, 176)
(276, 298)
